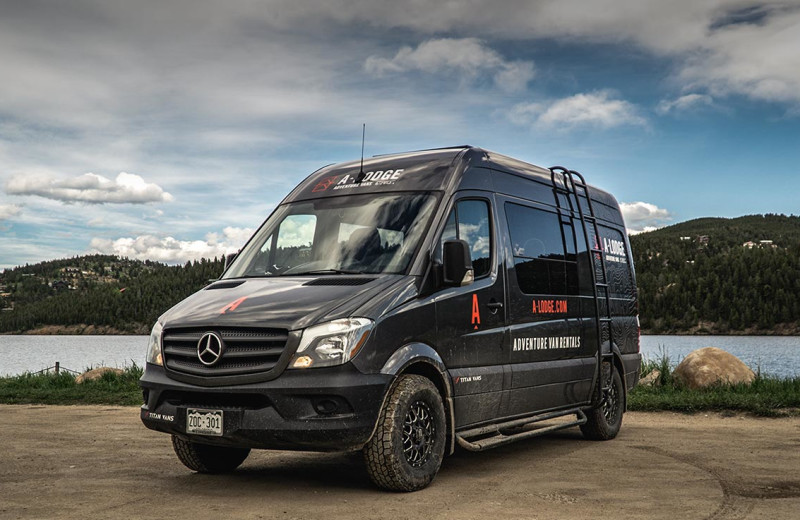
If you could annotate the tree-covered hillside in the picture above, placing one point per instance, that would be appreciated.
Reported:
(709, 275)
(720, 276)
(103, 291)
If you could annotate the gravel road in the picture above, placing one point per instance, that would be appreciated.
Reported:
(100, 462)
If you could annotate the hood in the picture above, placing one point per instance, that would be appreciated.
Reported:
(282, 302)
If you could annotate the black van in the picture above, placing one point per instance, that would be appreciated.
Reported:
(404, 306)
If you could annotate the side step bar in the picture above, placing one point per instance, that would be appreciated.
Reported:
(500, 431)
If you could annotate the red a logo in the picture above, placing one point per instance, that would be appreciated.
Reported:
(232, 306)
(476, 313)
(325, 183)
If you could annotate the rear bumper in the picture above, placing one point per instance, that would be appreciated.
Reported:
(326, 409)
(632, 364)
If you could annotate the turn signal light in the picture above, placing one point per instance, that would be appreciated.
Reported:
(302, 362)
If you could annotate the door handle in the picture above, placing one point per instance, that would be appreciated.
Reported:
(494, 305)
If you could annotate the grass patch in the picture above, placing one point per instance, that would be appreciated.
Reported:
(766, 396)
(49, 388)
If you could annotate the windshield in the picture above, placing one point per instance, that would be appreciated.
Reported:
(338, 235)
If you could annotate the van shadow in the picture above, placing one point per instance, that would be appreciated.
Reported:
(297, 471)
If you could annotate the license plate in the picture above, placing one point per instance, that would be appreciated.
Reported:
(204, 422)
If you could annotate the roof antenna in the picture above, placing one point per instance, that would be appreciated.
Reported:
(361, 169)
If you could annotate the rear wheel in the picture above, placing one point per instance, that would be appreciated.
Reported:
(406, 451)
(205, 458)
(603, 423)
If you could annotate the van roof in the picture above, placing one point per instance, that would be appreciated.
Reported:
(437, 169)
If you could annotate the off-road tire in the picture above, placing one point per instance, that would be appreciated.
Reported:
(603, 422)
(406, 450)
(205, 458)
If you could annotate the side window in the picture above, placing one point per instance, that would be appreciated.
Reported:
(469, 221)
(620, 282)
(534, 233)
(542, 264)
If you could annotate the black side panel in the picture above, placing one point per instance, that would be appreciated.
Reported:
(550, 384)
(622, 290)
(551, 349)
(478, 393)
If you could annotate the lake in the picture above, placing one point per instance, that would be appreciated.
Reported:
(774, 355)
(19, 354)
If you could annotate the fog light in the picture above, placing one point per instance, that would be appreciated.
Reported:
(326, 406)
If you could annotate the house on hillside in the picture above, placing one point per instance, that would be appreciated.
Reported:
(760, 244)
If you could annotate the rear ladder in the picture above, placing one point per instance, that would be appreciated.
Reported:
(602, 301)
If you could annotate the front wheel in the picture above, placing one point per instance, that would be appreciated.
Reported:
(205, 458)
(406, 450)
(603, 423)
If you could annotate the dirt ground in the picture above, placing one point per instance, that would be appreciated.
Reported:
(100, 462)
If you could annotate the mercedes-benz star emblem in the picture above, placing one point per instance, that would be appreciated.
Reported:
(210, 348)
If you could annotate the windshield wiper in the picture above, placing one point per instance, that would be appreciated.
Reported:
(324, 271)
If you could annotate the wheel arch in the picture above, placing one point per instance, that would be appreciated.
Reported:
(421, 359)
(620, 367)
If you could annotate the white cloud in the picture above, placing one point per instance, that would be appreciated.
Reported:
(729, 47)
(643, 216)
(89, 188)
(9, 210)
(758, 60)
(171, 250)
(596, 109)
(468, 57)
(689, 101)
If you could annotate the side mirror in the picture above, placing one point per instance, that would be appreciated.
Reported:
(457, 263)
(229, 258)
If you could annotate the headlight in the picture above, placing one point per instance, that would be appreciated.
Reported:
(154, 346)
(332, 343)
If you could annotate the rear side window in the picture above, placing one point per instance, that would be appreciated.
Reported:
(541, 261)
(620, 281)
(469, 221)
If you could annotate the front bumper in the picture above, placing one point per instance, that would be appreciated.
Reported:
(323, 409)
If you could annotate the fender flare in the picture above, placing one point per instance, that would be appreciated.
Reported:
(620, 366)
(416, 353)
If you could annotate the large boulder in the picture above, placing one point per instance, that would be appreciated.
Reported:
(710, 366)
(96, 373)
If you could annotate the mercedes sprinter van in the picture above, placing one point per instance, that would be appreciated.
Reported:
(401, 307)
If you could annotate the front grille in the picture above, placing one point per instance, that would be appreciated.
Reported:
(237, 401)
(247, 351)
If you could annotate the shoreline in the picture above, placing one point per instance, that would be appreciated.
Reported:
(81, 330)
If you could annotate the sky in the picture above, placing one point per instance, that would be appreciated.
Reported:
(169, 130)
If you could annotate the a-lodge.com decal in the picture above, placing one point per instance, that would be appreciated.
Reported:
(373, 178)
(549, 306)
(547, 343)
